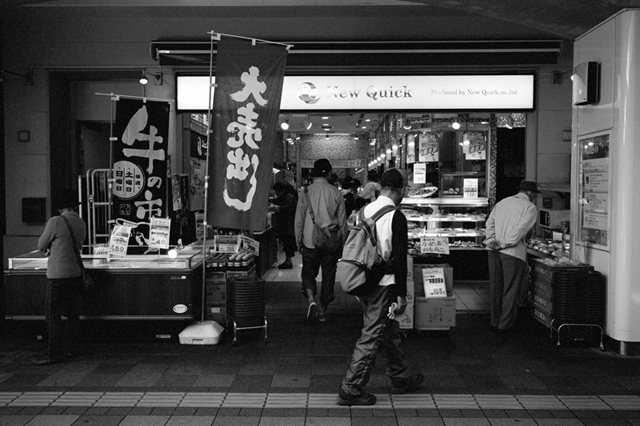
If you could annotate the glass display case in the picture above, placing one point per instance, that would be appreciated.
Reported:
(136, 287)
(186, 258)
(448, 191)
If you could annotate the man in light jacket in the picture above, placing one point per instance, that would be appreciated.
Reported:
(507, 227)
(326, 203)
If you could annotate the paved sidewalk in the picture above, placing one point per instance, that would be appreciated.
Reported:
(474, 377)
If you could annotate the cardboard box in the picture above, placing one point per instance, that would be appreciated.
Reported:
(216, 312)
(215, 293)
(419, 283)
(410, 268)
(407, 318)
(435, 313)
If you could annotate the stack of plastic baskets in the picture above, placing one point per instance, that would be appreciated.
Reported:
(246, 304)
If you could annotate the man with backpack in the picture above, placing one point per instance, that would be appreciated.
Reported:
(385, 299)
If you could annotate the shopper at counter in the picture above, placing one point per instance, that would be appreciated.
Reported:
(323, 203)
(66, 285)
(284, 208)
(387, 299)
(507, 227)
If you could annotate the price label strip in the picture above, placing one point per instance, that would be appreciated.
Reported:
(437, 245)
(159, 233)
(250, 245)
(226, 243)
(434, 284)
(119, 240)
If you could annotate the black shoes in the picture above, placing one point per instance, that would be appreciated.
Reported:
(408, 385)
(285, 265)
(47, 361)
(347, 399)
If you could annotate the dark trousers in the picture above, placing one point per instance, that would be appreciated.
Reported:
(288, 245)
(507, 288)
(312, 260)
(64, 297)
(379, 335)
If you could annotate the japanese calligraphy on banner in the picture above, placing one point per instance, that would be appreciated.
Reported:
(140, 164)
(428, 151)
(246, 107)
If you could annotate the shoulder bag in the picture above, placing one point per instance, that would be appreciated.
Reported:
(89, 284)
(327, 238)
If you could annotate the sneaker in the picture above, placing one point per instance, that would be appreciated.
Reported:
(407, 385)
(312, 313)
(361, 399)
(322, 316)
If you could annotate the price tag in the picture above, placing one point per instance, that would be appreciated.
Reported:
(434, 284)
(119, 240)
(159, 233)
(226, 243)
(437, 245)
(250, 245)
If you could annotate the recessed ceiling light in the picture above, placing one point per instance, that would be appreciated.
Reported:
(325, 118)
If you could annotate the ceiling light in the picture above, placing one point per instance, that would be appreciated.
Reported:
(406, 125)
(307, 123)
(325, 118)
(455, 123)
(509, 123)
(285, 124)
(143, 78)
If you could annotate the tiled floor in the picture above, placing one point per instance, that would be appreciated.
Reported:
(474, 377)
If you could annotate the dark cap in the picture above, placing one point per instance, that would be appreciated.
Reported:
(528, 185)
(68, 199)
(393, 178)
(321, 167)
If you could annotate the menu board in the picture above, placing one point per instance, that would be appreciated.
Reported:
(595, 198)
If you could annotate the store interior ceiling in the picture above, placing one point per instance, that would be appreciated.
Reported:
(567, 19)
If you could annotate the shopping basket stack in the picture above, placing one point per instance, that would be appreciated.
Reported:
(246, 304)
(566, 296)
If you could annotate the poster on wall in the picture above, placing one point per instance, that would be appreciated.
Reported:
(428, 151)
(140, 166)
(474, 146)
(420, 173)
(411, 148)
(595, 195)
(198, 160)
(246, 106)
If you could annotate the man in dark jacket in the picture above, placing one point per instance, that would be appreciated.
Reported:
(284, 208)
(66, 284)
(387, 299)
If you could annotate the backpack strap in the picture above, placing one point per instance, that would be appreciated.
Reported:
(308, 201)
(384, 210)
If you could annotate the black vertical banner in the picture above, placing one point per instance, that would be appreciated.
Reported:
(140, 165)
(246, 105)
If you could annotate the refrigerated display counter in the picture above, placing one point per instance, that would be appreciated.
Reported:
(136, 287)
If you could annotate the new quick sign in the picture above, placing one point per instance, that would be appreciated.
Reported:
(452, 92)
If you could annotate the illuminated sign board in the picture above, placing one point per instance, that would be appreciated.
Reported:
(360, 93)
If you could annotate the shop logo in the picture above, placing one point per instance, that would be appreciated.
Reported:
(180, 309)
(308, 93)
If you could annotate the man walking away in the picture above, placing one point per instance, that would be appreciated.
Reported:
(323, 204)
